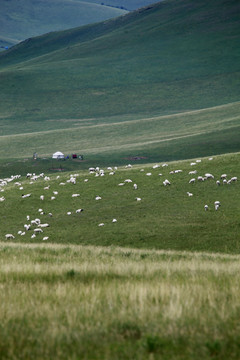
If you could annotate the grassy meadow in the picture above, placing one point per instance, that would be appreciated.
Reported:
(157, 88)
(165, 218)
(83, 302)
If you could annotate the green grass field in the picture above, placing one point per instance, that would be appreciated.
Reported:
(159, 85)
(74, 302)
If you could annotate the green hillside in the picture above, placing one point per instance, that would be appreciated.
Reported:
(128, 86)
(23, 19)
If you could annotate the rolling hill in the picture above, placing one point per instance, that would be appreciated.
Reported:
(129, 85)
(20, 20)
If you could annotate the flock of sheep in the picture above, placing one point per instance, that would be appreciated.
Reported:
(37, 227)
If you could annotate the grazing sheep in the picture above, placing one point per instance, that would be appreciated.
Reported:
(69, 213)
(121, 184)
(53, 198)
(223, 176)
(75, 195)
(192, 172)
(192, 181)
(166, 182)
(38, 230)
(148, 174)
(156, 166)
(33, 236)
(101, 224)
(45, 238)
(2, 199)
(114, 220)
(27, 226)
(78, 211)
(189, 194)
(206, 207)
(128, 181)
(209, 176)
(217, 204)
(9, 236)
(41, 197)
(43, 225)
(98, 197)
(218, 182)
(25, 196)
(135, 186)
(138, 199)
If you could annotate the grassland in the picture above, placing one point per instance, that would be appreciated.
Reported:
(166, 218)
(169, 89)
(160, 283)
(65, 301)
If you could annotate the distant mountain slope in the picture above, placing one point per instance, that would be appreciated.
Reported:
(26, 18)
(171, 57)
(126, 4)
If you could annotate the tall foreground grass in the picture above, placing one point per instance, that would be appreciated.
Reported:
(76, 302)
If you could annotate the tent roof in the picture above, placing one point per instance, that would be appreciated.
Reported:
(58, 153)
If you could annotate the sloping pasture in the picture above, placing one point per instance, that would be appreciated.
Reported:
(165, 217)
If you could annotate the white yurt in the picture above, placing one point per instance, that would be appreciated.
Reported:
(58, 155)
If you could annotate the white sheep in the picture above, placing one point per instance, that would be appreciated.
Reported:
(45, 238)
(75, 195)
(9, 236)
(192, 181)
(114, 220)
(166, 182)
(189, 194)
(38, 230)
(101, 224)
(209, 176)
(43, 225)
(41, 197)
(26, 196)
(138, 199)
(206, 207)
(98, 197)
(78, 211)
(135, 186)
